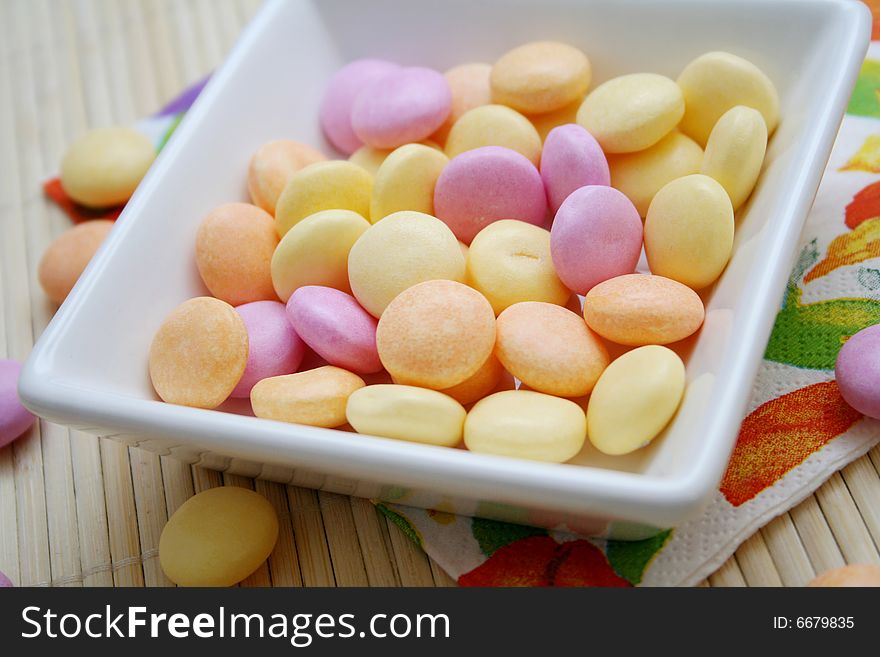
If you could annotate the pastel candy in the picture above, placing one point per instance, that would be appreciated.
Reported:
(5, 582)
(858, 371)
(272, 166)
(406, 180)
(641, 309)
(394, 254)
(333, 185)
(550, 349)
(850, 575)
(715, 82)
(689, 231)
(274, 348)
(68, 255)
(339, 98)
(15, 419)
(405, 105)
(641, 175)
(103, 167)
(336, 327)
(315, 252)
(491, 376)
(218, 537)
(406, 413)
(315, 397)
(544, 123)
(370, 158)
(494, 125)
(199, 353)
(634, 399)
(469, 85)
(571, 159)
(234, 247)
(527, 425)
(485, 185)
(632, 112)
(436, 334)
(596, 235)
(735, 152)
(509, 261)
(540, 77)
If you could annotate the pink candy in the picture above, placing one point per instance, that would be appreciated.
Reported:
(335, 325)
(572, 158)
(5, 582)
(596, 235)
(15, 419)
(274, 348)
(485, 185)
(341, 93)
(405, 105)
(858, 371)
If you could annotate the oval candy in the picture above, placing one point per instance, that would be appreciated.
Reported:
(406, 413)
(469, 84)
(550, 349)
(641, 309)
(199, 353)
(634, 399)
(405, 181)
(394, 254)
(218, 537)
(735, 152)
(632, 112)
(858, 371)
(68, 255)
(315, 397)
(494, 125)
(315, 252)
(15, 419)
(335, 326)
(272, 166)
(689, 231)
(527, 425)
(715, 82)
(571, 159)
(436, 334)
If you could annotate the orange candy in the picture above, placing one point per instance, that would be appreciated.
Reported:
(436, 334)
(67, 257)
(234, 247)
(272, 166)
(550, 349)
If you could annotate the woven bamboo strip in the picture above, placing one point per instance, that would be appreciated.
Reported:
(789, 556)
(342, 540)
(378, 560)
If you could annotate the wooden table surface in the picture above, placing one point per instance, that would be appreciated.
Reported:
(76, 510)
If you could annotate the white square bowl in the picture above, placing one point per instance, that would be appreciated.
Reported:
(89, 369)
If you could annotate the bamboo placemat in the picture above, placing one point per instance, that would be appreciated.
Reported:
(77, 510)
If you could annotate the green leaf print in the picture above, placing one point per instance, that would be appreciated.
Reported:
(864, 100)
(405, 526)
(630, 559)
(492, 534)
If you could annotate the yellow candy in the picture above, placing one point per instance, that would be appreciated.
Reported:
(334, 185)
(104, 167)
(717, 81)
(199, 353)
(641, 175)
(272, 166)
(314, 397)
(406, 413)
(527, 425)
(540, 77)
(509, 261)
(315, 252)
(469, 84)
(399, 251)
(735, 152)
(689, 231)
(634, 399)
(494, 125)
(544, 123)
(370, 158)
(640, 309)
(218, 537)
(632, 112)
(550, 349)
(405, 181)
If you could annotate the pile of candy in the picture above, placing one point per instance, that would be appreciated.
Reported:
(424, 266)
